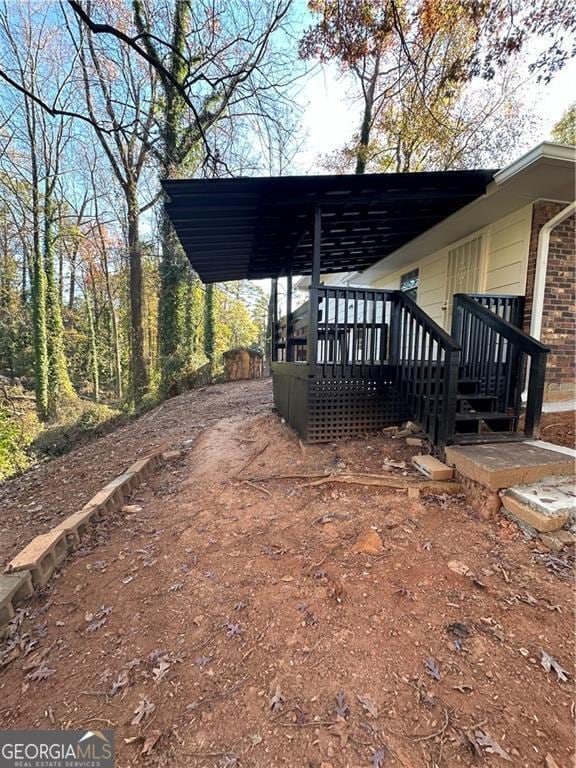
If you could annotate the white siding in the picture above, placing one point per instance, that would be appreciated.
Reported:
(507, 253)
(505, 242)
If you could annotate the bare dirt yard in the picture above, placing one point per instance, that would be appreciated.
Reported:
(226, 618)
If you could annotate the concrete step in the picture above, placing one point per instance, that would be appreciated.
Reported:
(502, 465)
(546, 505)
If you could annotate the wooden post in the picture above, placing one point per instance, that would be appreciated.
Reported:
(313, 308)
(274, 334)
(289, 324)
(537, 376)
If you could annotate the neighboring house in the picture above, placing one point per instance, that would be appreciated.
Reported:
(518, 239)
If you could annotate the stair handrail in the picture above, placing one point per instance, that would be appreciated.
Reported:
(441, 424)
(442, 336)
(528, 343)
(522, 342)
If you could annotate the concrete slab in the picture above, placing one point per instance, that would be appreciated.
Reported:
(553, 447)
(543, 521)
(501, 465)
(559, 406)
(552, 495)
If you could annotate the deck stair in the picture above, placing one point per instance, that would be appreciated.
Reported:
(478, 415)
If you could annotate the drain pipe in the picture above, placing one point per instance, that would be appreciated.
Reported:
(540, 277)
(542, 267)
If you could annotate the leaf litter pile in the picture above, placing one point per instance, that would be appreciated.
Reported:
(229, 616)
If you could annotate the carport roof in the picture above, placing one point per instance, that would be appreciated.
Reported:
(256, 227)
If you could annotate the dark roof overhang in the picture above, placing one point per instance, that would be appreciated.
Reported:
(253, 228)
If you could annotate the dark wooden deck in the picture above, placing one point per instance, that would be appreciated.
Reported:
(375, 359)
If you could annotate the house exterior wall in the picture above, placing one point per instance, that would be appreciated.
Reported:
(559, 312)
(505, 259)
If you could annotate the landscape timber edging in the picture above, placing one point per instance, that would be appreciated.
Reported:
(33, 566)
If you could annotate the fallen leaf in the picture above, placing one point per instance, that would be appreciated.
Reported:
(101, 617)
(490, 745)
(342, 708)
(377, 759)
(310, 619)
(458, 629)
(201, 661)
(233, 630)
(369, 705)
(120, 682)
(256, 739)
(41, 673)
(463, 688)
(143, 710)
(548, 662)
(150, 742)
(36, 659)
(432, 668)
(277, 700)
(96, 625)
(160, 672)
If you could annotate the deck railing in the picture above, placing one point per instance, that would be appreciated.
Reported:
(497, 354)
(353, 329)
(426, 360)
(366, 333)
(508, 307)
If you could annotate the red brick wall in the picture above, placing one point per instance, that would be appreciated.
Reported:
(559, 314)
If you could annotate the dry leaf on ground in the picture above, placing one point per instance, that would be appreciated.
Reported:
(142, 711)
(548, 662)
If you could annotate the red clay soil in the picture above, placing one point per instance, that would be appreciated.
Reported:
(559, 428)
(226, 620)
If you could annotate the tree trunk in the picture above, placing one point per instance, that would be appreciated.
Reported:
(72, 280)
(366, 126)
(209, 330)
(93, 347)
(189, 326)
(115, 338)
(38, 297)
(169, 314)
(24, 293)
(60, 386)
(174, 262)
(139, 371)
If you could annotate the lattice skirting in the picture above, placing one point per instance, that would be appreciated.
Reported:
(324, 409)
